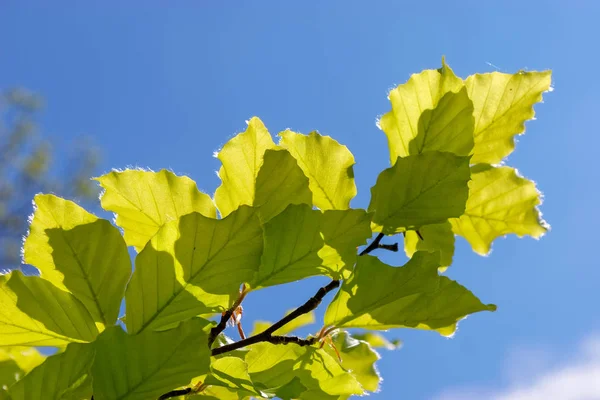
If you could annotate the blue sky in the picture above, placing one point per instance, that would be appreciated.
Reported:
(164, 86)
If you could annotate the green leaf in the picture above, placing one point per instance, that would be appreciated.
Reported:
(413, 296)
(502, 103)
(359, 358)
(437, 237)
(500, 202)
(321, 243)
(147, 365)
(422, 92)
(33, 312)
(280, 182)
(193, 266)
(447, 127)
(273, 366)
(242, 158)
(420, 190)
(17, 361)
(79, 253)
(377, 340)
(232, 373)
(144, 201)
(328, 165)
(61, 376)
(296, 323)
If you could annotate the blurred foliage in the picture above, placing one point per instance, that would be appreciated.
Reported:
(30, 164)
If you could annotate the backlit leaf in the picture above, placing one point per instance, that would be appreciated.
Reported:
(147, 365)
(299, 322)
(242, 158)
(33, 312)
(232, 373)
(437, 237)
(193, 266)
(17, 361)
(502, 103)
(377, 340)
(79, 253)
(419, 190)
(412, 296)
(144, 201)
(421, 92)
(62, 376)
(500, 202)
(328, 166)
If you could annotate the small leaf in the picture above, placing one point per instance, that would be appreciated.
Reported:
(410, 296)
(328, 166)
(242, 158)
(422, 92)
(147, 365)
(61, 376)
(502, 103)
(33, 312)
(79, 253)
(420, 190)
(500, 203)
(144, 201)
(377, 340)
(296, 323)
(436, 237)
(192, 266)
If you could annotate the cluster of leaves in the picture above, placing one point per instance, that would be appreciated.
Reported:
(284, 215)
(26, 168)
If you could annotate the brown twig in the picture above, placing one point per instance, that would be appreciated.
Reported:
(373, 245)
(214, 332)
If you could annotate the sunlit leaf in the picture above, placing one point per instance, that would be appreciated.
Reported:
(62, 376)
(33, 312)
(16, 361)
(242, 158)
(79, 253)
(500, 202)
(421, 92)
(144, 201)
(232, 373)
(296, 323)
(328, 166)
(147, 365)
(502, 103)
(377, 340)
(437, 237)
(413, 296)
(419, 190)
(193, 266)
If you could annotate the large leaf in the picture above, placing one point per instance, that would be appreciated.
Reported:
(79, 253)
(242, 158)
(500, 202)
(144, 201)
(274, 365)
(412, 296)
(419, 190)
(328, 165)
(280, 182)
(193, 265)
(502, 103)
(447, 127)
(33, 312)
(147, 365)
(17, 361)
(320, 243)
(422, 92)
(232, 373)
(62, 376)
(437, 237)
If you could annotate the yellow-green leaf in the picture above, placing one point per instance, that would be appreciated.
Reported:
(421, 189)
(145, 366)
(377, 340)
(242, 158)
(79, 253)
(193, 266)
(303, 320)
(413, 296)
(143, 201)
(62, 376)
(502, 103)
(328, 166)
(17, 361)
(436, 237)
(232, 373)
(33, 312)
(500, 203)
(421, 92)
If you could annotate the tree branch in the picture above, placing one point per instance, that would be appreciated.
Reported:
(373, 245)
(214, 332)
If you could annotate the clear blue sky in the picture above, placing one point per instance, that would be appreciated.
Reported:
(163, 86)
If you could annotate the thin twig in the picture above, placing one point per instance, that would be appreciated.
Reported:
(214, 332)
(175, 393)
(391, 247)
(373, 245)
